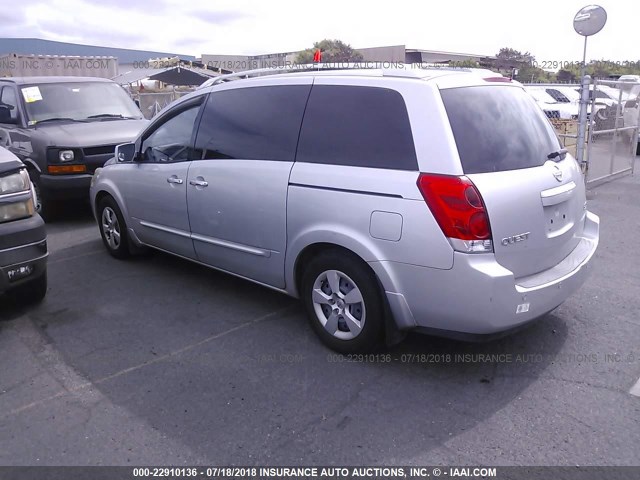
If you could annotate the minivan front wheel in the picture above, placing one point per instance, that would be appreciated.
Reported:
(112, 228)
(343, 302)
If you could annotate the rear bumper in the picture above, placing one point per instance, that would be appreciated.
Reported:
(478, 296)
(24, 244)
(65, 186)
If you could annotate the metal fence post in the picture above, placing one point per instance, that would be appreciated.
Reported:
(582, 123)
(635, 141)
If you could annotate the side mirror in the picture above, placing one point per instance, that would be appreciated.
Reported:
(126, 152)
(5, 115)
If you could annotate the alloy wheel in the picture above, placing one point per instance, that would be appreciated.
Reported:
(338, 304)
(111, 228)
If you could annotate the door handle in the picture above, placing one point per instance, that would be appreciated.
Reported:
(198, 183)
(174, 179)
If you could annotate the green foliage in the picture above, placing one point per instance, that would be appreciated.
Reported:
(511, 55)
(606, 68)
(508, 59)
(332, 51)
(467, 64)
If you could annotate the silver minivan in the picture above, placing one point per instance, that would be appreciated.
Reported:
(386, 200)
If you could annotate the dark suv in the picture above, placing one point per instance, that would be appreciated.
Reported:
(23, 240)
(63, 128)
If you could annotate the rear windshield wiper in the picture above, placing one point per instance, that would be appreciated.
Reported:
(558, 155)
(58, 119)
(111, 115)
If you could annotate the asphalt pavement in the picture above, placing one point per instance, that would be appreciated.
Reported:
(157, 361)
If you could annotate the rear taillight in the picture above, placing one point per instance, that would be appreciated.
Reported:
(459, 210)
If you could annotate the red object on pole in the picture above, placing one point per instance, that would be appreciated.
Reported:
(317, 56)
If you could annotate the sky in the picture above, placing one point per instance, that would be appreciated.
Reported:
(243, 27)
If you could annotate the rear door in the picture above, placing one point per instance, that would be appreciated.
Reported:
(237, 189)
(536, 204)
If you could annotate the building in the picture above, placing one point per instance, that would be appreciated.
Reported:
(391, 54)
(125, 58)
(37, 46)
(248, 62)
(400, 53)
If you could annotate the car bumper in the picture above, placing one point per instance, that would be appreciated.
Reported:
(23, 248)
(478, 296)
(65, 186)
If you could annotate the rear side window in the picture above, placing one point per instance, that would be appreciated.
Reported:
(498, 128)
(254, 123)
(357, 126)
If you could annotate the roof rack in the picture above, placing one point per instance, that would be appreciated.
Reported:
(323, 67)
(259, 72)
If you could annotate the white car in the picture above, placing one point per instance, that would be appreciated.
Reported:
(551, 107)
(563, 93)
(631, 115)
(605, 96)
(629, 79)
(630, 85)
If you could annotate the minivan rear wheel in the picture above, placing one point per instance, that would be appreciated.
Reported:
(343, 302)
(113, 230)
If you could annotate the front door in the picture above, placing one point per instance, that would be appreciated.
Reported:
(156, 185)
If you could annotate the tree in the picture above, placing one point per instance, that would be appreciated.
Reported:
(567, 76)
(332, 51)
(510, 59)
(467, 64)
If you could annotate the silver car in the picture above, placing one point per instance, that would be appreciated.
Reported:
(386, 200)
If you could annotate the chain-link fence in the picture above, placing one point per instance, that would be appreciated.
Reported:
(152, 103)
(612, 141)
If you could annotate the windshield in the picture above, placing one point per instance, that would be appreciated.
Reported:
(613, 93)
(498, 128)
(541, 96)
(77, 101)
(570, 93)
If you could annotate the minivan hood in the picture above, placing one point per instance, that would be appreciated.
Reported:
(108, 132)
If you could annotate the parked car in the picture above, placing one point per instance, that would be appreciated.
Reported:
(629, 78)
(605, 99)
(551, 107)
(630, 86)
(440, 197)
(63, 128)
(23, 240)
(563, 94)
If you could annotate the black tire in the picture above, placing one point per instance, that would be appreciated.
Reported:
(44, 205)
(113, 232)
(371, 334)
(31, 292)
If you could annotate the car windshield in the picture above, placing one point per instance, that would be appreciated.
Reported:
(571, 94)
(541, 96)
(79, 101)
